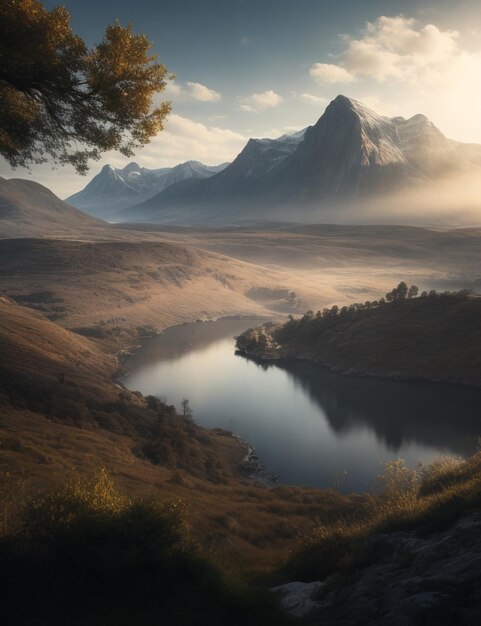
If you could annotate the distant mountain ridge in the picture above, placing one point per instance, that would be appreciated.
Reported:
(113, 189)
(350, 154)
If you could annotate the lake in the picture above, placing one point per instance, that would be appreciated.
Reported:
(307, 424)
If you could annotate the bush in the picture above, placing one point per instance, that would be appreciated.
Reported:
(88, 553)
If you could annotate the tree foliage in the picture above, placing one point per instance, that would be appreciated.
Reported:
(61, 100)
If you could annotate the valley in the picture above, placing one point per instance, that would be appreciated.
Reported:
(109, 327)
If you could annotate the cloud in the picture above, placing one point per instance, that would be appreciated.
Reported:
(413, 67)
(310, 99)
(398, 48)
(192, 91)
(182, 140)
(330, 73)
(202, 93)
(259, 101)
(171, 90)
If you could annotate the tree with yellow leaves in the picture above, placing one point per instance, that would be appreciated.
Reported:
(65, 102)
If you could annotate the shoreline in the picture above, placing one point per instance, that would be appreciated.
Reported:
(257, 474)
(270, 360)
(249, 468)
(124, 354)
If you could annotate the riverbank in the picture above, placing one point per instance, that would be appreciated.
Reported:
(436, 338)
(252, 469)
(178, 340)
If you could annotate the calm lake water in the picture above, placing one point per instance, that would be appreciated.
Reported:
(308, 425)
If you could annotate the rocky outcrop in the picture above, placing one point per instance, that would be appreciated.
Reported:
(413, 580)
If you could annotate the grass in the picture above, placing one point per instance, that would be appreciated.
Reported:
(86, 554)
(89, 552)
(424, 500)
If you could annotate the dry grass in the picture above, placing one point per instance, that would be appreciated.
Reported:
(60, 412)
(424, 500)
(89, 551)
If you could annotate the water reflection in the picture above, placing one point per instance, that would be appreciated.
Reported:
(398, 412)
(309, 425)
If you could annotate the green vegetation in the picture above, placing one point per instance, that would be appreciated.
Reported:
(55, 92)
(434, 335)
(88, 555)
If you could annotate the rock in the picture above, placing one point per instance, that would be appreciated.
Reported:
(298, 598)
(430, 580)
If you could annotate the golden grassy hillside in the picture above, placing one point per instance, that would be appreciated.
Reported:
(62, 412)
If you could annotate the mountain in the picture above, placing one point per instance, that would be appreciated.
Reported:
(30, 209)
(234, 183)
(113, 189)
(351, 153)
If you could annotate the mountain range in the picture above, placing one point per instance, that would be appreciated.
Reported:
(113, 189)
(350, 154)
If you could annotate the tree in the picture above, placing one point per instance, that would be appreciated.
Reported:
(398, 293)
(413, 291)
(402, 291)
(61, 100)
(186, 409)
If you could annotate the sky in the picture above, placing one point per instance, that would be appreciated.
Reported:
(262, 68)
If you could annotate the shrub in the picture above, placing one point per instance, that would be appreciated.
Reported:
(91, 554)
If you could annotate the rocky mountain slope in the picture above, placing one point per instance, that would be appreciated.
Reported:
(232, 186)
(350, 154)
(411, 579)
(113, 189)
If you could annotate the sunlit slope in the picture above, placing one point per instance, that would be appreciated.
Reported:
(117, 290)
(28, 209)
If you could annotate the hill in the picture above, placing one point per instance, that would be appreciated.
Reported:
(62, 412)
(435, 336)
(350, 154)
(188, 516)
(30, 209)
(118, 290)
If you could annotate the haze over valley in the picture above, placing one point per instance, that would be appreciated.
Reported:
(351, 165)
(240, 313)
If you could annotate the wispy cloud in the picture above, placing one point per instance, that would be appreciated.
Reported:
(329, 73)
(200, 92)
(310, 99)
(259, 101)
(184, 139)
(191, 91)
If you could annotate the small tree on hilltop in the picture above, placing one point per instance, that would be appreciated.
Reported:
(186, 408)
(398, 293)
(413, 291)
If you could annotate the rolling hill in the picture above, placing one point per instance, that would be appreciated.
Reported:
(436, 337)
(30, 209)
